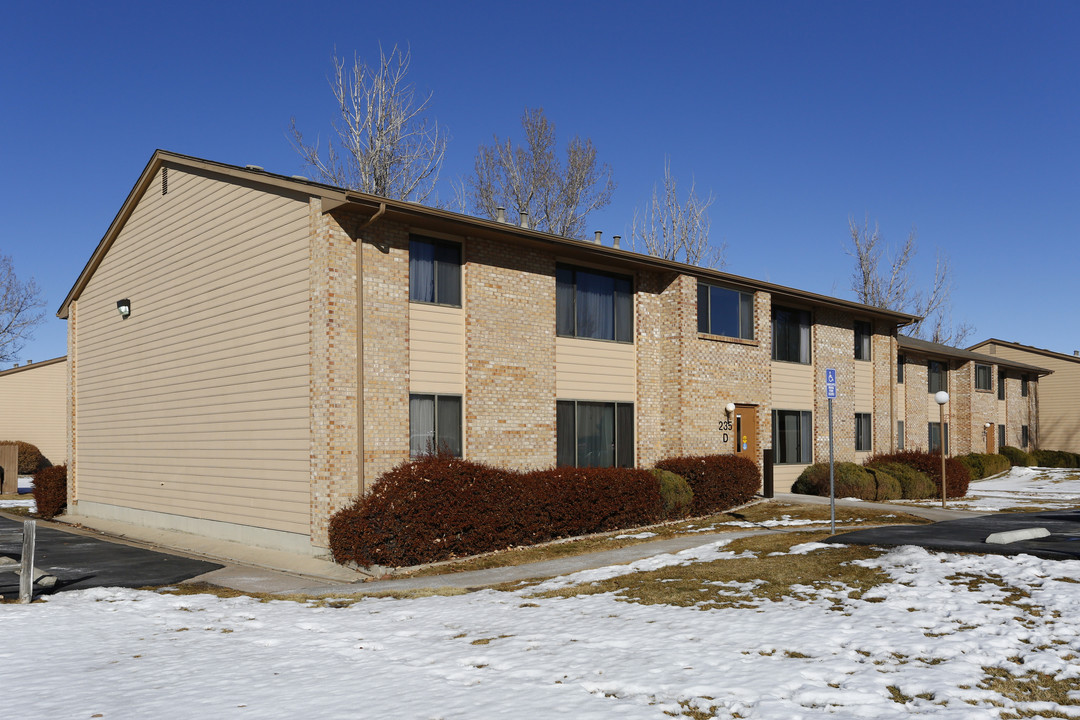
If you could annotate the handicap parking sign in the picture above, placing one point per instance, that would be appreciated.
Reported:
(830, 376)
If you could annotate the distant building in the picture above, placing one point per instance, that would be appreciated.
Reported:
(33, 406)
(1059, 394)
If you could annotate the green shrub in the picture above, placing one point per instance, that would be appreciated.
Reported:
(675, 494)
(888, 486)
(439, 507)
(930, 463)
(982, 465)
(1017, 457)
(1056, 459)
(719, 482)
(30, 458)
(50, 490)
(914, 484)
(850, 480)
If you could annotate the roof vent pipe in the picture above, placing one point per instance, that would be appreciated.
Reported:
(524, 219)
(596, 239)
(500, 214)
(1076, 353)
(615, 241)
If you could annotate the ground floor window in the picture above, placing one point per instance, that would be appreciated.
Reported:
(594, 434)
(1024, 436)
(899, 434)
(434, 424)
(934, 437)
(793, 436)
(1001, 436)
(862, 432)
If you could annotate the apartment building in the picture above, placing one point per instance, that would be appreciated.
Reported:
(250, 351)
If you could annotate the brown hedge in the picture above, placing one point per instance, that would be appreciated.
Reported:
(436, 508)
(50, 490)
(30, 458)
(719, 482)
(930, 463)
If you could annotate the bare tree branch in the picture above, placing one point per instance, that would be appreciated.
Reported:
(18, 303)
(531, 179)
(677, 229)
(386, 145)
(892, 288)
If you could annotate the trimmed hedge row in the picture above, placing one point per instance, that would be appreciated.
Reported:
(50, 490)
(1017, 457)
(30, 458)
(982, 465)
(719, 482)
(909, 474)
(849, 480)
(930, 464)
(440, 507)
(1056, 459)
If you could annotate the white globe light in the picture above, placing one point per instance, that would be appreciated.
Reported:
(941, 397)
(730, 407)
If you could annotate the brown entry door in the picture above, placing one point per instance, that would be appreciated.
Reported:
(991, 436)
(745, 428)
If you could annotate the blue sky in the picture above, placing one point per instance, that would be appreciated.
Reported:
(959, 119)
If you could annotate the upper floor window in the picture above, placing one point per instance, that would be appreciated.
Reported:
(1001, 384)
(863, 333)
(593, 304)
(937, 376)
(721, 311)
(791, 335)
(900, 368)
(1024, 380)
(983, 377)
(434, 271)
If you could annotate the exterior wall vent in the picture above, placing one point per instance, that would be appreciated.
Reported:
(164, 181)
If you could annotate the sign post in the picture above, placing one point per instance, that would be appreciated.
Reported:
(830, 392)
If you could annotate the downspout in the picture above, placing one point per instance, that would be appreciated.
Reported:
(360, 348)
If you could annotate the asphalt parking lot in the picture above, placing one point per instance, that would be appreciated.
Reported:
(81, 561)
(969, 534)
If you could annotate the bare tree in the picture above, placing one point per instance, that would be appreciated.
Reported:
(677, 229)
(531, 179)
(386, 145)
(18, 304)
(892, 287)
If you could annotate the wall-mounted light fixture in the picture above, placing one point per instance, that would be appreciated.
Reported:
(124, 308)
(729, 408)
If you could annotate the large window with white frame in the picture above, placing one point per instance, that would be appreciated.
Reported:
(793, 437)
(722, 311)
(594, 434)
(791, 335)
(434, 271)
(593, 304)
(434, 424)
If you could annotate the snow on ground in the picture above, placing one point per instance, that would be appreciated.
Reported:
(1022, 487)
(922, 638)
(20, 503)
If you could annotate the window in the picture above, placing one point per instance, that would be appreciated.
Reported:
(863, 332)
(1023, 436)
(721, 311)
(1024, 380)
(593, 304)
(983, 377)
(900, 369)
(863, 441)
(934, 437)
(937, 376)
(1001, 384)
(791, 335)
(1001, 437)
(434, 271)
(594, 434)
(899, 434)
(434, 424)
(793, 436)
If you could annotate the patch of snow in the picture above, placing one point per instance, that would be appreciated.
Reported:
(29, 503)
(638, 536)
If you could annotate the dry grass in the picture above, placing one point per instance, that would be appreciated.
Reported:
(312, 600)
(760, 512)
(1031, 686)
(746, 582)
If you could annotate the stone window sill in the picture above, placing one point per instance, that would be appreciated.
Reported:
(725, 339)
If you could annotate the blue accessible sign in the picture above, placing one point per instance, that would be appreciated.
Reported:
(830, 383)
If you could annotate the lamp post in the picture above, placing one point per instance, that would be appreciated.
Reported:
(941, 397)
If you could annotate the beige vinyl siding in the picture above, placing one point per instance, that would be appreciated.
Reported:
(594, 370)
(863, 387)
(436, 349)
(784, 476)
(198, 404)
(792, 386)
(33, 407)
(1058, 393)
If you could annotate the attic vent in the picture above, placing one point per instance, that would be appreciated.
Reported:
(164, 180)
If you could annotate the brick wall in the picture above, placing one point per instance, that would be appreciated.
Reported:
(833, 347)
